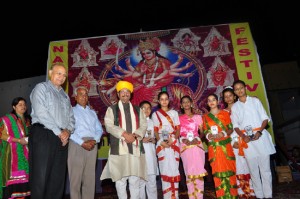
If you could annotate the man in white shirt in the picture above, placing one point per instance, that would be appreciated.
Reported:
(248, 112)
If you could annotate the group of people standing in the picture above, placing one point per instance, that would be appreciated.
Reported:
(143, 144)
(236, 156)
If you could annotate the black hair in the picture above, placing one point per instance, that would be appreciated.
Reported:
(156, 54)
(146, 102)
(238, 82)
(15, 102)
(159, 95)
(187, 97)
(214, 95)
(228, 89)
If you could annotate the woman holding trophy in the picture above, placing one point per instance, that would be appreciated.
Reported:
(191, 149)
(217, 127)
(166, 129)
(149, 187)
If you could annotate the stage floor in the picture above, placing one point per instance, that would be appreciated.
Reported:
(283, 190)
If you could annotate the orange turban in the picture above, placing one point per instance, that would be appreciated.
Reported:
(124, 84)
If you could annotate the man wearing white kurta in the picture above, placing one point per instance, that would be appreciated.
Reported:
(126, 125)
(248, 111)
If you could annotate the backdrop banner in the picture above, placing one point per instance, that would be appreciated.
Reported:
(194, 61)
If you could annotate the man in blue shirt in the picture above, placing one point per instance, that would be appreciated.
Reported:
(82, 154)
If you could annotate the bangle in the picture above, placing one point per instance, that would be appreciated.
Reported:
(224, 133)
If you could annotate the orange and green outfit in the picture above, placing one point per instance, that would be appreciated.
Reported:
(221, 156)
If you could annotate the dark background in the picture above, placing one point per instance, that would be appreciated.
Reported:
(28, 29)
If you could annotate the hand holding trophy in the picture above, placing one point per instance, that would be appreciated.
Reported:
(190, 136)
(149, 135)
(165, 136)
(214, 131)
(249, 131)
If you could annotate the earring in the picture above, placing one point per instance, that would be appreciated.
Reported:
(191, 106)
(181, 106)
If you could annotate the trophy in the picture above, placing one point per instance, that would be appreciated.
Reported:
(149, 134)
(235, 139)
(165, 133)
(249, 131)
(190, 136)
(214, 130)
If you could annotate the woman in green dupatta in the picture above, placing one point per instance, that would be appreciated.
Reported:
(14, 151)
(217, 127)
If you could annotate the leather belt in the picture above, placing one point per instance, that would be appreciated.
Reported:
(38, 124)
(41, 125)
(255, 129)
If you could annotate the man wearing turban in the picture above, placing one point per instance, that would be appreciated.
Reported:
(126, 125)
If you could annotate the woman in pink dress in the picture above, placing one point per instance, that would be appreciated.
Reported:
(191, 148)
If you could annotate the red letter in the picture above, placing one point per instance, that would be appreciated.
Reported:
(57, 59)
(239, 30)
(246, 62)
(244, 52)
(59, 49)
(249, 75)
(241, 41)
(253, 88)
